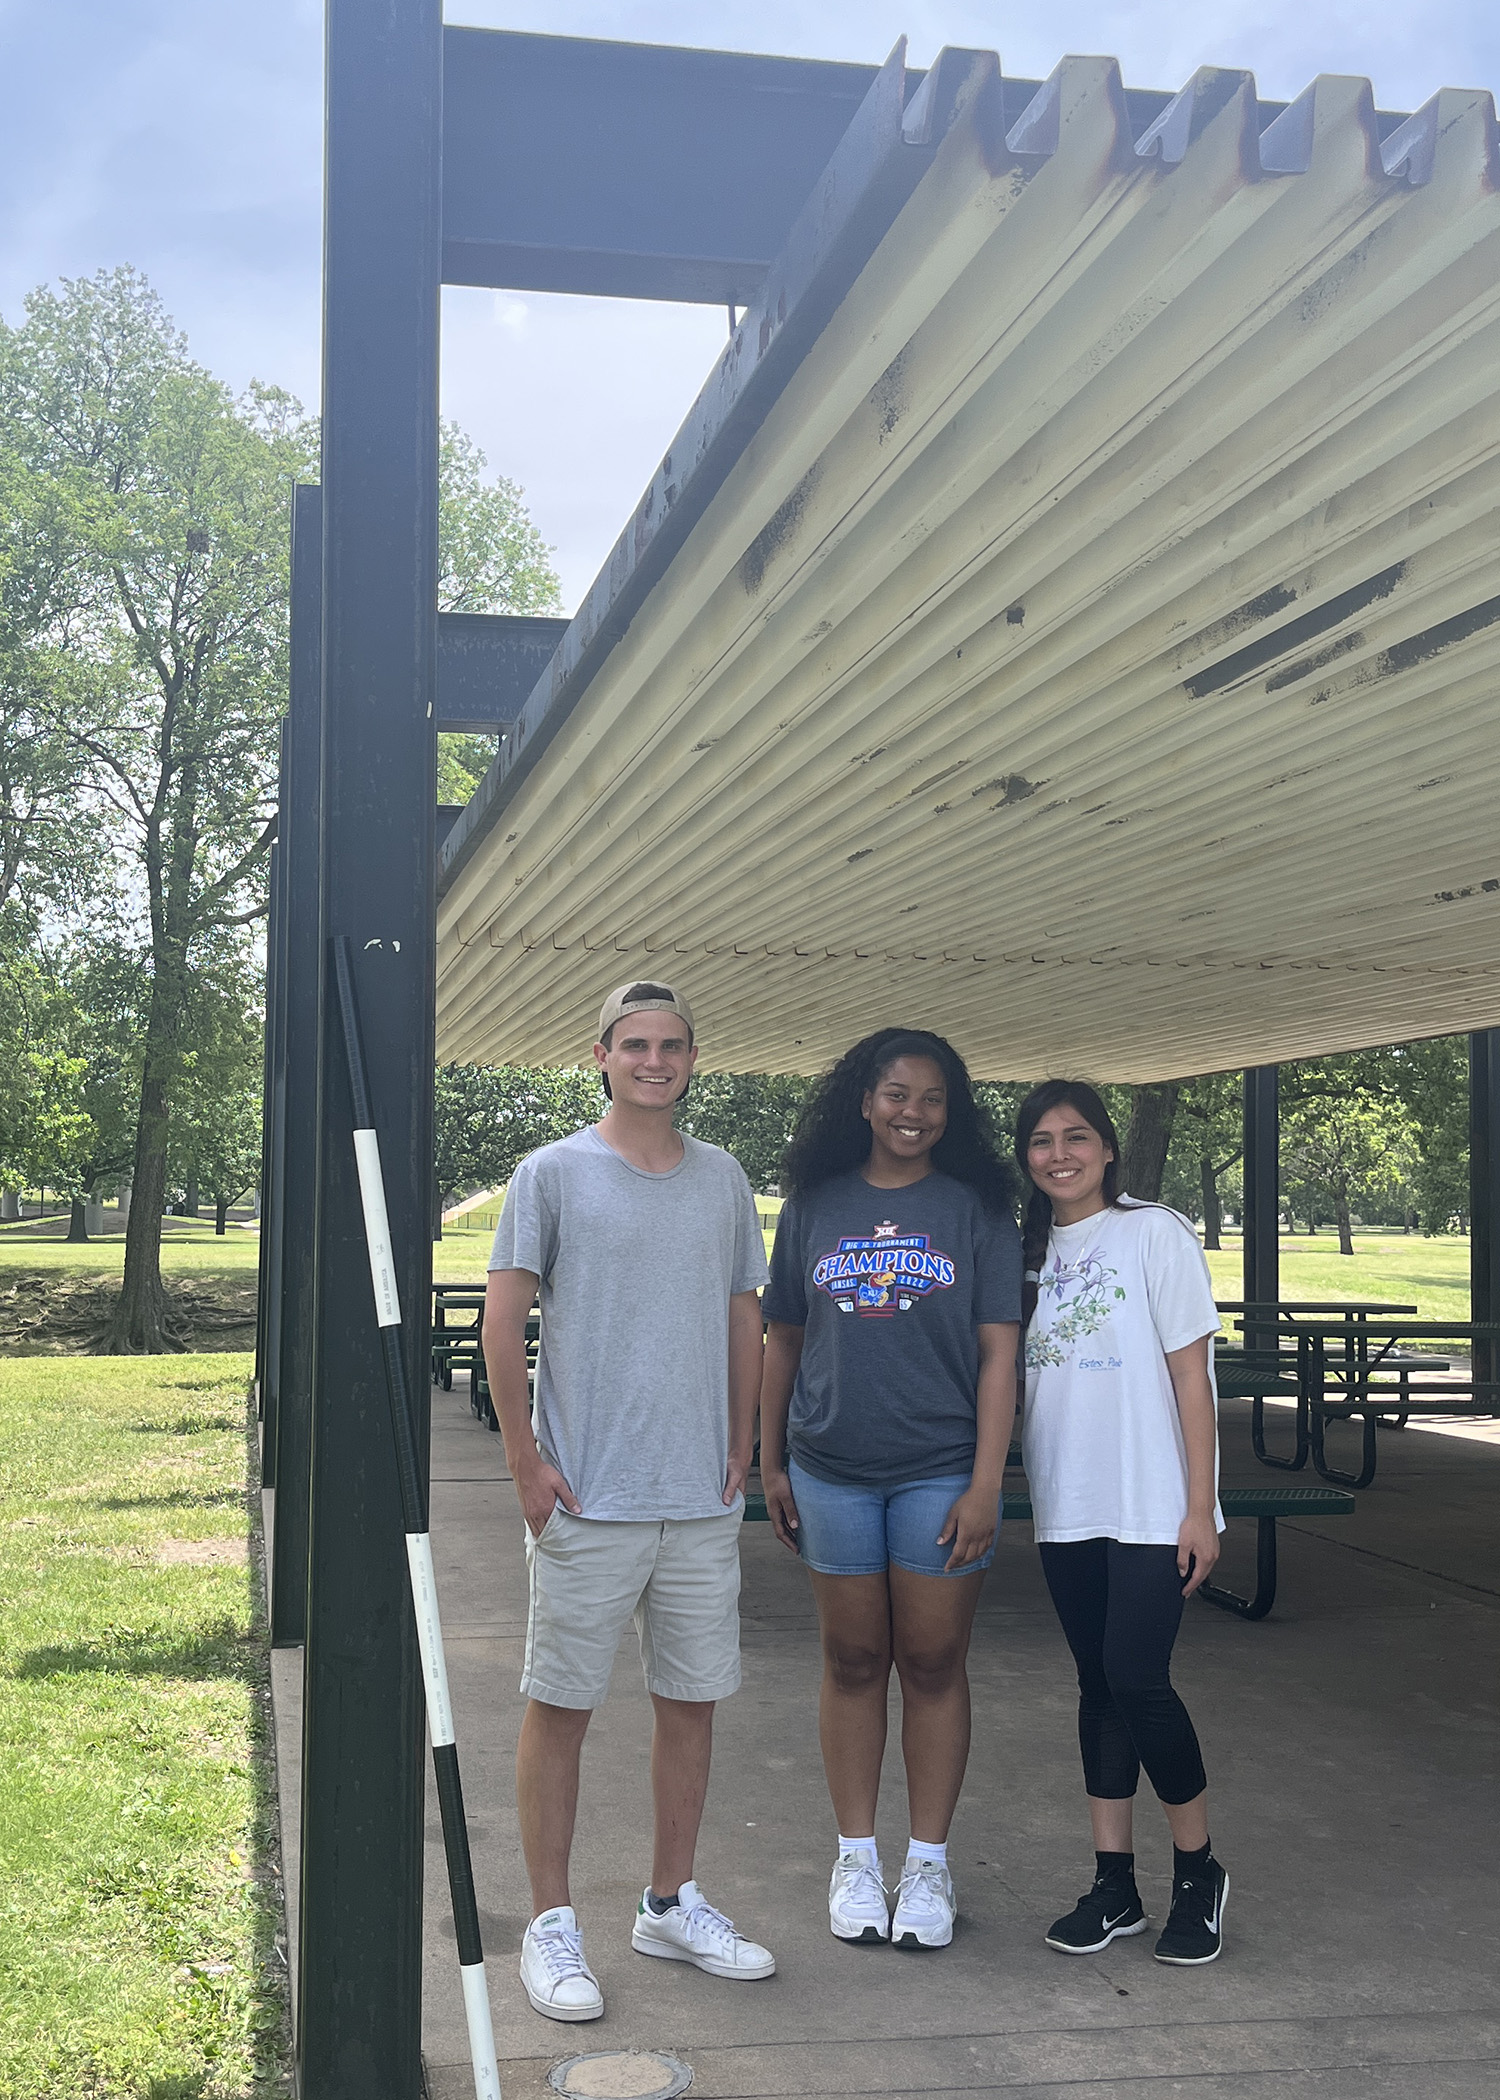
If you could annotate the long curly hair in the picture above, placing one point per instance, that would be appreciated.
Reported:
(831, 1136)
(1085, 1101)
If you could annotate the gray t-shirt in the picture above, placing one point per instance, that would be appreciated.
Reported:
(890, 1287)
(637, 1270)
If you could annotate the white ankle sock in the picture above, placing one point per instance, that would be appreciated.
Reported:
(865, 1845)
(916, 1849)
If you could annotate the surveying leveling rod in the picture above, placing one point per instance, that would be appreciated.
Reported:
(418, 1549)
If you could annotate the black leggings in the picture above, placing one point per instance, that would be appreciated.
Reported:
(1120, 1607)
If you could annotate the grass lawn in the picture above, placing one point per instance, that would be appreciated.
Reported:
(138, 1917)
(1394, 1267)
(1400, 1269)
(461, 1254)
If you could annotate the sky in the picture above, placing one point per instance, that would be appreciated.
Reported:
(184, 137)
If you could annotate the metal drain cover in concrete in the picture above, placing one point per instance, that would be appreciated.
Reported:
(628, 2074)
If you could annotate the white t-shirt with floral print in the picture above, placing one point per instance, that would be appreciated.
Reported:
(1101, 1436)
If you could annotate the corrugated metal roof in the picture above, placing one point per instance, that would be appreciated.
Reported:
(1088, 646)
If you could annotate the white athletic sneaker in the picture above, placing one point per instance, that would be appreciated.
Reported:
(692, 1930)
(858, 1907)
(557, 1979)
(925, 1906)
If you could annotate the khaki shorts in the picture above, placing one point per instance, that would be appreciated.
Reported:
(679, 1580)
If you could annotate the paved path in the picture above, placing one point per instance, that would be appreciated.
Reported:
(1350, 1738)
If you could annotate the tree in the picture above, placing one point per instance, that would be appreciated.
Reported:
(488, 1117)
(491, 559)
(143, 630)
(215, 1143)
(750, 1114)
(45, 849)
(1431, 1082)
(1144, 1142)
(168, 660)
(999, 1099)
(1340, 1143)
(1210, 1128)
(79, 1080)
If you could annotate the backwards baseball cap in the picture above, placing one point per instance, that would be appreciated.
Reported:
(646, 996)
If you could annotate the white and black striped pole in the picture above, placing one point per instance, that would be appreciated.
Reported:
(418, 1548)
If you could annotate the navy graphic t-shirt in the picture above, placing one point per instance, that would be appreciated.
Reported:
(890, 1287)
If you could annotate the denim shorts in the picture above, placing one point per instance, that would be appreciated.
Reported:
(864, 1530)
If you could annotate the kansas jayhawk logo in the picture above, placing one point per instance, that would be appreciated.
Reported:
(884, 1274)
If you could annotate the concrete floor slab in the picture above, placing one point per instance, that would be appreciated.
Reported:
(1351, 1741)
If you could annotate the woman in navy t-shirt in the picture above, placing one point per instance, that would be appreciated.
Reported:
(886, 1409)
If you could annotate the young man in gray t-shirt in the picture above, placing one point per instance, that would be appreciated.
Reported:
(645, 1253)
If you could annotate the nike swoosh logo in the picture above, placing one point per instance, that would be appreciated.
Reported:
(1111, 1923)
(1213, 1923)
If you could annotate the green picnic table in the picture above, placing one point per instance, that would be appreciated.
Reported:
(1361, 1372)
(1264, 1370)
(457, 1344)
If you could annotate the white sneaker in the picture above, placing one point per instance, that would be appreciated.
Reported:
(557, 1979)
(692, 1930)
(858, 1908)
(925, 1906)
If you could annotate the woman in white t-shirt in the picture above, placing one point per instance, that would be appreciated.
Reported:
(1121, 1449)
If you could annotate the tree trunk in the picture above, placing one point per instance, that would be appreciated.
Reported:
(78, 1231)
(139, 1326)
(1341, 1212)
(1144, 1146)
(10, 1206)
(221, 1212)
(1213, 1216)
(192, 1202)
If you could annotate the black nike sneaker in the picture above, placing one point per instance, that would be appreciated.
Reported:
(1194, 1931)
(1112, 1910)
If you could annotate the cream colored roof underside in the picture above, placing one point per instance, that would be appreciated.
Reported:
(906, 730)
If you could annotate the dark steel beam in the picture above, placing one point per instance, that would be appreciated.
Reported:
(487, 665)
(1484, 1188)
(359, 2002)
(697, 162)
(298, 846)
(1262, 1184)
(640, 171)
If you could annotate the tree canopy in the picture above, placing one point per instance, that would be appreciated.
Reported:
(144, 604)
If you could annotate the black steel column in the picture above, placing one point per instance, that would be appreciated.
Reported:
(268, 1296)
(272, 1225)
(1262, 1204)
(263, 1244)
(299, 1002)
(1484, 1188)
(362, 1774)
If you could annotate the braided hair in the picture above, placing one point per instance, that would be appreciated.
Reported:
(832, 1137)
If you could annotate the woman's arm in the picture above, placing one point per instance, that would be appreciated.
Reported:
(973, 1519)
(783, 1356)
(1197, 1541)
